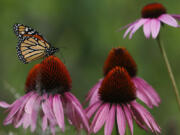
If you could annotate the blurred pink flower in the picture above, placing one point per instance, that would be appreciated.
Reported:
(47, 92)
(153, 16)
(121, 57)
(117, 104)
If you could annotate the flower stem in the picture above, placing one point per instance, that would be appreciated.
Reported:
(161, 46)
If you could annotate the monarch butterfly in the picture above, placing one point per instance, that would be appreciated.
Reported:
(31, 45)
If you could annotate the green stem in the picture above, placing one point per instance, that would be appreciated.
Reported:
(161, 46)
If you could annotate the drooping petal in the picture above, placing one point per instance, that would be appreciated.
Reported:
(100, 117)
(15, 107)
(93, 90)
(4, 104)
(155, 27)
(110, 121)
(147, 28)
(78, 108)
(48, 111)
(176, 16)
(128, 30)
(121, 120)
(137, 26)
(143, 97)
(58, 111)
(29, 105)
(169, 20)
(144, 88)
(145, 116)
(126, 26)
(34, 114)
(44, 123)
(92, 108)
(128, 118)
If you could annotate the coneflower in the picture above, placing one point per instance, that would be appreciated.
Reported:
(121, 57)
(116, 105)
(47, 92)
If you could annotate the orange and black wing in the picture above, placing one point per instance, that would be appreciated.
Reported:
(30, 48)
(31, 44)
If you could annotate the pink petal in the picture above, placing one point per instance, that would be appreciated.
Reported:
(175, 16)
(93, 90)
(48, 110)
(137, 26)
(58, 111)
(155, 27)
(169, 20)
(147, 28)
(29, 105)
(128, 118)
(144, 88)
(128, 30)
(143, 97)
(126, 26)
(78, 108)
(26, 120)
(4, 104)
(34, 113)
(44, 123)
(121, 120)
(100, 117)
(144, 115)
(15, 107)
(92, 108)
(110, 121)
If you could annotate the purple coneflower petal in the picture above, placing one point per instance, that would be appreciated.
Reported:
(26, 120)
(47, 109)
(16, 106)
(44, 123)
(30, 104)
(93, 90)
(78, 108)
(110, 121)
(145, 116)
(100, 117)
(147, 28)
(175, 16)
(129, 29)
(4, 104)
(146, 89)
(92, 108)
(168, 19)
(138, 119)
(121, 120)
(137, 26)
(155, 27)
(128, 118)
(34, 113)
(58, 111)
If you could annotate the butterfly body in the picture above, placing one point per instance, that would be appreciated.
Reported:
(31, 45)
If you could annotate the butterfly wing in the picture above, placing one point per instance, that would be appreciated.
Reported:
(31, 48)
(21, 30)
(31, 44)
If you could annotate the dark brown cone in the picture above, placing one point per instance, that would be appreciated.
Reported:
(153, 10)
(117, 87)
(120, 57)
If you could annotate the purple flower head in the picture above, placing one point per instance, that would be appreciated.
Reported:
(153, 16)
(47, 93)
(121, 57)
(116, 104)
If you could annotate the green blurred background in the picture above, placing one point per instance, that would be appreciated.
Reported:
(85, 31)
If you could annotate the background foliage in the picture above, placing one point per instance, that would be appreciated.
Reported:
(85, 31)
